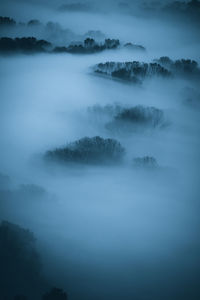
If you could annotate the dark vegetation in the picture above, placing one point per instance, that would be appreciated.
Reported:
(20, 272)
(31, 45)
(95, 150)
(137, 118)
(55, 294)
(136, 71)
(6, 21)
(132, 46)
(147, 162)
(131, 71)
(139, 114)
(24, 45)
(126, 120)
(181, 67)
(95, 34)
(52, 38)
(34, 22)
(50, 31)
(89, 46)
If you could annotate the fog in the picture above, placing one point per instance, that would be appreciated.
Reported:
(124, 230)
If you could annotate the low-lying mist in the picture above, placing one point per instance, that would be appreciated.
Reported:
(121, 230)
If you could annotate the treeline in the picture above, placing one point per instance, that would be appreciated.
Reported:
(136, 71)
(25, 45)
(51, 37)
(31, 44)
(183, 67)
(89, 46)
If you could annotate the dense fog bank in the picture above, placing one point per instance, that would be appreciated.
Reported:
(99, 161)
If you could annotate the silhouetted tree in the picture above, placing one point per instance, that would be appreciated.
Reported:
(95, 150)
(134, 47)
(27, 45)
(134, 71)
(89, 46)
(181, 67)
(6, 21)
(55, 294)
(111, 43)
(34, 22)
(137, 118)
(89, 43)
(19, 260)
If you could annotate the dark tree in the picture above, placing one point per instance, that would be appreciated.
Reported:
(55, 294)
(34, 22)
(180, 67)
(6, 21)
(111, 43)
(89, 43)
(25, 45)
(134, 47)
(136, 118)
(95, 150)
(19, 260)
(133, 71)
(89, 46)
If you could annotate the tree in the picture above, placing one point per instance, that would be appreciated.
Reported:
(20, 267)
(55, 294)
(94, 150)
(89, 43)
